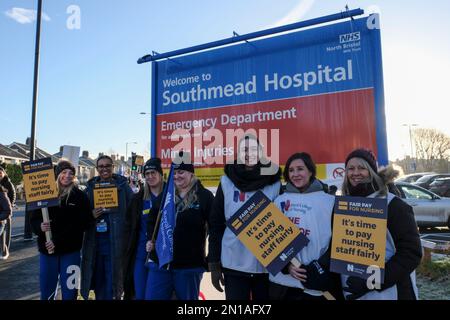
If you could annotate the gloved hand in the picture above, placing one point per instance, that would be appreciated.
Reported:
(216, 275)
(317, 277)
(357, 287)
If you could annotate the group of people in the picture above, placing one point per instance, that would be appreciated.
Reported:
(115, 248)
(310, 207)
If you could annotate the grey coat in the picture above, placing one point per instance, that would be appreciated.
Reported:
(117, 239)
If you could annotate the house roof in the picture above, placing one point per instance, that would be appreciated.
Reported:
(83, 161)
(24, 149)
(89, 161)
(5, 151)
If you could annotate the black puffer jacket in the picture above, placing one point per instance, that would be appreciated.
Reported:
(7, 184)
(68, 221)
(5, 205)
(408, 250)
(403, 229)
(191, 228)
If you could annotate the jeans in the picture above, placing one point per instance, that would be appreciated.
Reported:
(54, 268)
(5, 236)
(161, 283)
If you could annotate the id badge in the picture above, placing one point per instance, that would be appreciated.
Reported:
(102, 226)
(147, 207)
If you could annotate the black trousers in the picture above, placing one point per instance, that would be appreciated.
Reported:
(27, 231)
(246, 286)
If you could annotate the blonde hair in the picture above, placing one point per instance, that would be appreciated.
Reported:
(191, 196)
(147, 191)
(376, 181)
(65, 191)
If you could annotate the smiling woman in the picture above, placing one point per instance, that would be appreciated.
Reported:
(67, 223)
(403, 247)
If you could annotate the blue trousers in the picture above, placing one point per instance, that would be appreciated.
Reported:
(103, 277)
(140, 278)
(161, 283)
(54, 267)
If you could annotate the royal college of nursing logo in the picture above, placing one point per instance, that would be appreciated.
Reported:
(168, 199)
(285, 205)
(239, 196)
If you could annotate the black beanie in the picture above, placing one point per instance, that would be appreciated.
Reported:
(180, 165)
(153, 164)
(63, 165)
(365, 154)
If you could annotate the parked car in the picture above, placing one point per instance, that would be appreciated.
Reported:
(425, 181)
(413, 177)
(430, 210)
(441, 187)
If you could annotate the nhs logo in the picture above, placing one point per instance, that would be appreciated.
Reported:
(283, 257)
(355, 36)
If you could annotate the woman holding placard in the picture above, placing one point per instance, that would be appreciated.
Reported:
(230, 262)
(192, 206)
(403, 247)
(60, 256)
(104, 242)
(146, 201)
(308, 205)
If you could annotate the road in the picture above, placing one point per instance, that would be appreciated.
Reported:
(19, 275)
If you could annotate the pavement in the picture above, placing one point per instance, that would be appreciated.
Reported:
(19, 275)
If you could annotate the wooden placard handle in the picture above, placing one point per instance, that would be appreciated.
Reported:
(48, 234)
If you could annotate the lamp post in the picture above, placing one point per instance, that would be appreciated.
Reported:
(27, 232)
(149, 114)
(410, 142)
(35, 83)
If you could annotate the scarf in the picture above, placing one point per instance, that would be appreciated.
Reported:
(250, 180)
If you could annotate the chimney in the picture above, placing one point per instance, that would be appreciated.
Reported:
(28, 141)
(100, 154)
(113, 157)
(85, 154)
(61, 149)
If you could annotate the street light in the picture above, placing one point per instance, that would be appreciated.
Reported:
(149, 114)
(126, 149)
(410, 140)
(410, 135)
(27, 233)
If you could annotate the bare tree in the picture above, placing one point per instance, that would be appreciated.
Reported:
(432, 148)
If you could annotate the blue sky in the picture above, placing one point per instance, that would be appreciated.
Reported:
(91, 89)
